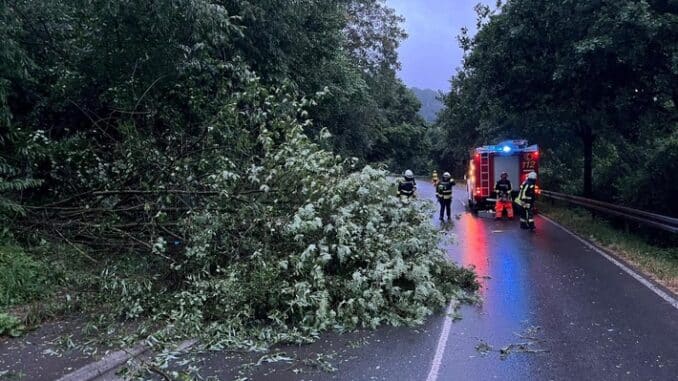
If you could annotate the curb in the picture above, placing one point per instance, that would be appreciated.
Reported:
(114, 360)
(109, 362)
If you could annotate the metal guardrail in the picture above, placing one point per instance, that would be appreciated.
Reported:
(666, 223)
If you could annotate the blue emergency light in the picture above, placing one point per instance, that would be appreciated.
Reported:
(507, 149)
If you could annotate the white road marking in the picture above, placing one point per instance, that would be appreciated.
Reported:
(434, 372)
(442, 343)
(442, 340)
(670, 299)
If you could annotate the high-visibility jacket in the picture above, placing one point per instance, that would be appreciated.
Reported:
(527, 192)
(444, 190)
(407, 186)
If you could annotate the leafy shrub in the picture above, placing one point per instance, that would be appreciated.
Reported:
(22, 279)
(651, 185)
(10, 326)
(11, 182)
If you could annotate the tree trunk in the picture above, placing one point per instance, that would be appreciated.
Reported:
(587, 139)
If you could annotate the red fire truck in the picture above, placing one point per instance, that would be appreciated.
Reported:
(487, 163)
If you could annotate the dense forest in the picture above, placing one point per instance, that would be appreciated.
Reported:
(203, 163)
(599, 95)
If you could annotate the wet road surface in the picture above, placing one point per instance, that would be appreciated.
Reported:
(550, 291)
(552, 309)
(42, 355)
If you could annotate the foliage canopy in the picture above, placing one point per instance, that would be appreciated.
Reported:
(593, 82)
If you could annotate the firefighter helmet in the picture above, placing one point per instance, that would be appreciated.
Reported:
(409, 173)
(504, 175)
(532, 175)
(446, 175)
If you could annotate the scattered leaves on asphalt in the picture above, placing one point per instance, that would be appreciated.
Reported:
(531, 345)
(322, 362)
(357, 343)
(483, 348)
(273, 358)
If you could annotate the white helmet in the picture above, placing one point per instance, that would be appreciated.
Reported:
(532, 175)
(409, 173)
(446, 175)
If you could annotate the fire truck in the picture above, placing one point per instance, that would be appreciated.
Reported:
(515, 157)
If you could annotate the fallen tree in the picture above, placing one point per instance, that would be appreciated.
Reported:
(255, 232)
(165, 161)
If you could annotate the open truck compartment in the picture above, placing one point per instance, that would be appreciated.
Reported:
(515, 157)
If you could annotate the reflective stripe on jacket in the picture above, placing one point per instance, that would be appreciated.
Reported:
(527, 193)
(406, 187)
(444, 190)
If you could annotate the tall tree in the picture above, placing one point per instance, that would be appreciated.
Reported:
(572, 71)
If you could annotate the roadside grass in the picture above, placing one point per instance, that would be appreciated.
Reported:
(22, 278)
(659, 262)
(41, 283)
(10, 325)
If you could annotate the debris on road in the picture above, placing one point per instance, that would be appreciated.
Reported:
(519, 348)
(354, 344)
(529, 346)
(321, 362)
(483, 348)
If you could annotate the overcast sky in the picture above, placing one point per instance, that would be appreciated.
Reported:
(431, 54)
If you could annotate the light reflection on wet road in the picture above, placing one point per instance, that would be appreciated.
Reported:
(577, 316)
(496, 251)
(549, 291)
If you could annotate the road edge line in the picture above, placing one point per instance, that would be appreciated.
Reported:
(658, 291)
(442, 344)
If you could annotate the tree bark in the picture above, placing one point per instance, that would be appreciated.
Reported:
(587, 138)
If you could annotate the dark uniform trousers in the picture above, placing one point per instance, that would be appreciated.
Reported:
(526, 201)
(444, 194)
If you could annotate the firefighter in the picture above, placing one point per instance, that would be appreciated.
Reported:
(444, 195)
(503, 190)
(526, 199)
(407, 186)
(434, 179)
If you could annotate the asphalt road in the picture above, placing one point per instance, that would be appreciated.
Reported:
(549, 290)
(552, 309)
